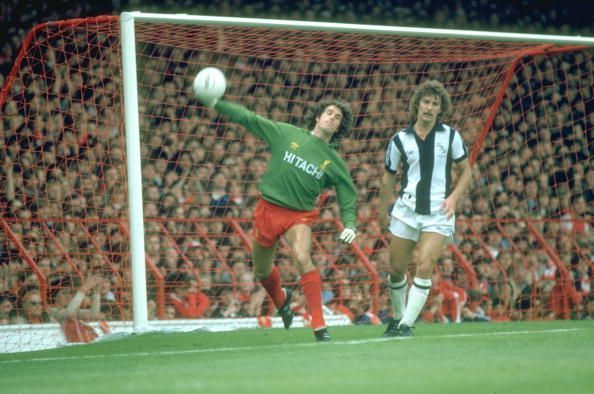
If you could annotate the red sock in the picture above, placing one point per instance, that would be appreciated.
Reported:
(312, 288)
(272, 284)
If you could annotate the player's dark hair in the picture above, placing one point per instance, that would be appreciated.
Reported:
(430, 88)
(316, 111)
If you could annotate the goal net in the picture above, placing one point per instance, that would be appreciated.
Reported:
(524, 232)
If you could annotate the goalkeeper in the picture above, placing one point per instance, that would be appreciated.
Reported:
(303, 163)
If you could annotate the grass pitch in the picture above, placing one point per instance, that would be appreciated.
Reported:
(533, 357)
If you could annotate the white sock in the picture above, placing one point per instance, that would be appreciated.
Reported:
(398, 296)
(417, 295)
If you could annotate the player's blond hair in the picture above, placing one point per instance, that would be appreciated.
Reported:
(430, 88)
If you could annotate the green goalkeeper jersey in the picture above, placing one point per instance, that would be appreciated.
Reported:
(300, 167)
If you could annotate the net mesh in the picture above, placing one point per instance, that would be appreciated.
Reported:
(524, 231)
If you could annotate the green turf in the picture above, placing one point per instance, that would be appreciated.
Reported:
(538, 357)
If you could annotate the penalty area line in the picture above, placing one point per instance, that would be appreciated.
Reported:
(283, 346)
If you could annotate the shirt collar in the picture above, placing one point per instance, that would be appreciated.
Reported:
(438, 127)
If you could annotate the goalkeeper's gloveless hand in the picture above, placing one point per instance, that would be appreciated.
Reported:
(209, 103)
(348, 235)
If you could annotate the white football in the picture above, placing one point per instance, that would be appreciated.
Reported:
(209, 84)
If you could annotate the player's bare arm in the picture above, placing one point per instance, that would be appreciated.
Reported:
(450, 203)
(386, 195)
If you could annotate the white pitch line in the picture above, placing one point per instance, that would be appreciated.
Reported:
(284, 346)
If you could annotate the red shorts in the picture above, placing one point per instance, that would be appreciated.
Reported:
(271, 221)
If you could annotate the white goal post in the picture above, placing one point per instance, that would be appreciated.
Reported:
(131, 101)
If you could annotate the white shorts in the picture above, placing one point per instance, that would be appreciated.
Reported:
(406, 223)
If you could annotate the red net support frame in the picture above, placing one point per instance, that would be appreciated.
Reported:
(524, 107)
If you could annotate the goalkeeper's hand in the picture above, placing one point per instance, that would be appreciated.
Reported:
(348, 235)
(209, 103)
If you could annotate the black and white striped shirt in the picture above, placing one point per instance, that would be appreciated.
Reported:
(426, 181)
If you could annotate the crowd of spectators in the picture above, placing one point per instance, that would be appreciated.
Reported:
(64, 194)
(544, 17)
